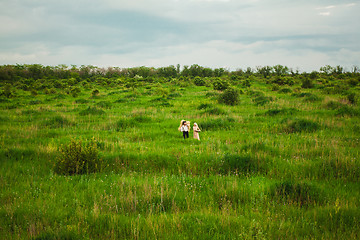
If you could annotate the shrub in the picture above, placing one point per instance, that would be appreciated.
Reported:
(95, 93)
(81, 101)
(198, 81)
(347, 111)
(123, 123)
(220, 84)
(214, 111)
(262, 100)
(104, 104)
(7, 92)
(352, 98)
(313, 98)
(204, 106)
(217, 124)
(230, 97)
(75, 91)
(35, 102)
(299, 193)
(285, 90)
(273, 112)
(307, 83)
(58, 122)
(78, 158)
(302, 125)
(239, 163)
(333, 105)
(92, 111)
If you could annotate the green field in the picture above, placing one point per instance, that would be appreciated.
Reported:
(281, 162)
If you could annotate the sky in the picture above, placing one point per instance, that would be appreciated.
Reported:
(234, 34)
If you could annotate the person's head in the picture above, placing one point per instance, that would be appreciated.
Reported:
(184, 123)
(195, 124)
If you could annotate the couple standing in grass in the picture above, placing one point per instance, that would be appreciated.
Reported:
(185, 129)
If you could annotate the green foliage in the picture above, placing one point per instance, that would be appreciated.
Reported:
(352, 98)
(262, 100)
(95, 93)
(204, 106)
(284, 111)
(230, 97)
(234, 163)
(91, 111)
(216, 124)
(302, 194)
(301, 125)
(346, 110)
(214, 111)
(75, 91)
(285, 90)
(58, 122)
(256, 173)
(307, 83)
(7, 91)
(198, 81)
(81, 101)
(104, 104)
(78, 158)
(220, 84)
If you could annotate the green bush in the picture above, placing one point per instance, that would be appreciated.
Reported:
(302, 194)
(92, 111)
(285, 90)
(220, 84)
(230, 97)
(333, 105)
(273, 112)
(198, 81)
(240, 163)
(313, 98)
(302, 125)
(262, 100)
(204, 106)
(307, 83)
(75, 91)
(95, 93)
(214, 111)
(7, 92)
(78, 158)
(217, 124)
(104, 104)
(81, 101)
(58, 122)
(352, 98)
(346, 110)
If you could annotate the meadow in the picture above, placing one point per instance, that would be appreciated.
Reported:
(280, 162)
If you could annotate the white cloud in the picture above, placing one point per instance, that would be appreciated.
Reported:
(163, 32)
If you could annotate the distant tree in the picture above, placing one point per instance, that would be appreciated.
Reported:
(281, 70)
(167, 72)
(327, 69)
(265, 71)
(338, 70)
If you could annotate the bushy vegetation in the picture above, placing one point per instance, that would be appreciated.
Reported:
(278, 156)
(78, 158)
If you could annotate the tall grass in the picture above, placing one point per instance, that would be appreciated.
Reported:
(275, 166)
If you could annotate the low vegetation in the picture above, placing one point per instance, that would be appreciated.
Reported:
(91, 153)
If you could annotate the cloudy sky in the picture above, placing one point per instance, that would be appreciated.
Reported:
(303, 35)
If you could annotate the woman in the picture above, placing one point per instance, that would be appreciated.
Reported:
(185, 129)
(196, 131)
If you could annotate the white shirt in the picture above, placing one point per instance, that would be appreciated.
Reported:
(184, 128)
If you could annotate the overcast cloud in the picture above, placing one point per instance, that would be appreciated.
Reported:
(303, 35)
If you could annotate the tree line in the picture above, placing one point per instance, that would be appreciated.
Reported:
(38, 71)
